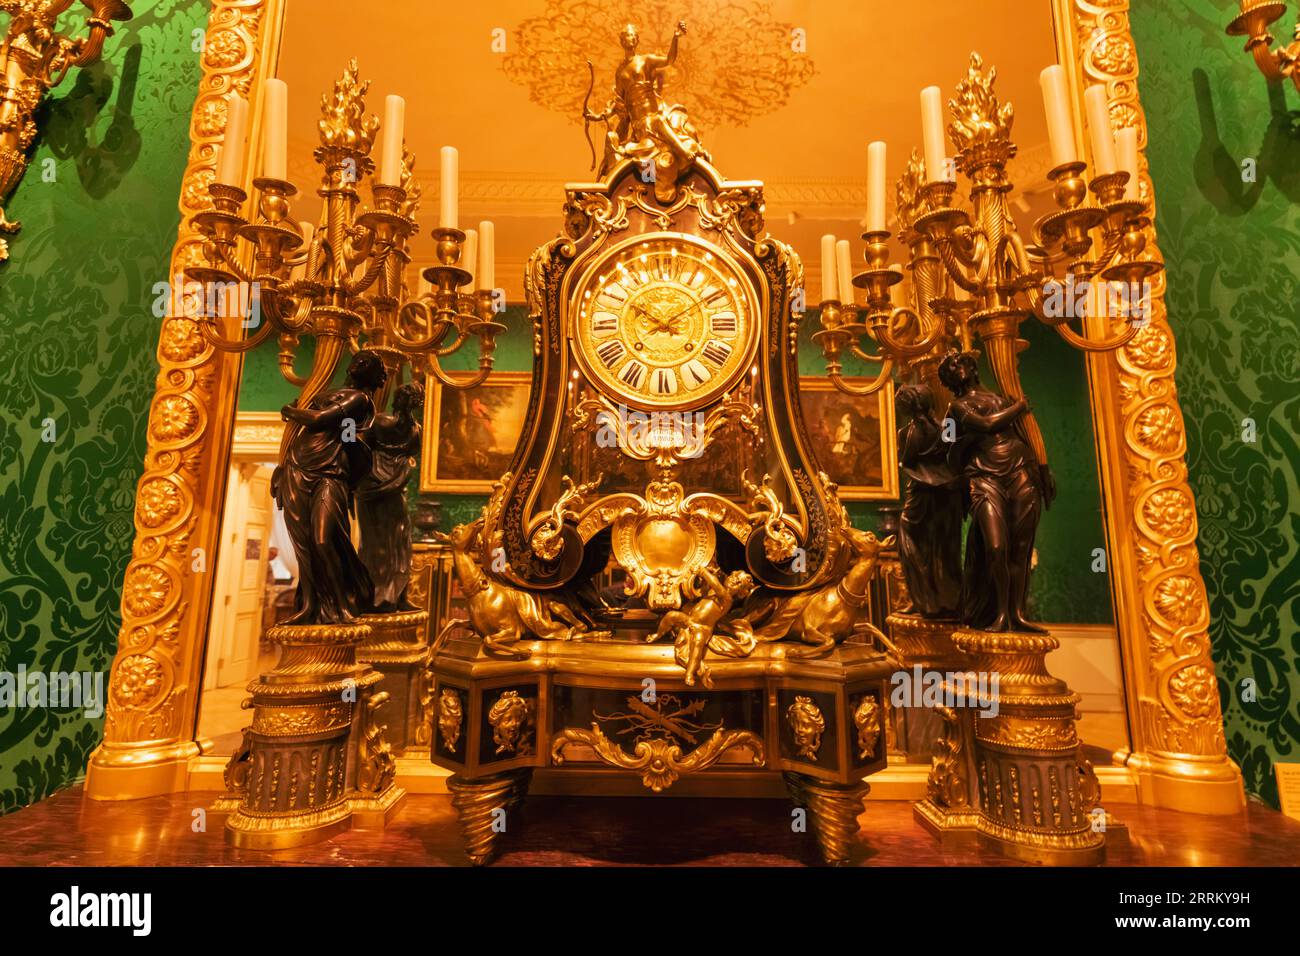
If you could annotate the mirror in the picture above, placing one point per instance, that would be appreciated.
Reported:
(788, 92)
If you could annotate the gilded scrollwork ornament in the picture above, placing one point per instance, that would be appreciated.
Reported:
(659, 760)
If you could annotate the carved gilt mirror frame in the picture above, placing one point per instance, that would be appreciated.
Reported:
(1177, 755)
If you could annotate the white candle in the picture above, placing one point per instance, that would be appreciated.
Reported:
(828, 269)
(1060, 125)
(936, 148)
(896, 290)
(487, 250)
(447, 212)
(275, 117)
(469, 261)
(844, 270)
(390, 166)
(876, 187)
(231, 170)
(1126, 144)
(1099, 131)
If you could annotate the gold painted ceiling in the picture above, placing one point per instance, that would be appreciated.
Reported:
(799, 121)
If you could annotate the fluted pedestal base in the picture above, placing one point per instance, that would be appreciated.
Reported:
(1038, 798)
(314, 762)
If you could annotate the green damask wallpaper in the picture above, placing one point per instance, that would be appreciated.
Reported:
(1232, 247)
(78, 338)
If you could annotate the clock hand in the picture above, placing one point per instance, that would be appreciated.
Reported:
(678, 315)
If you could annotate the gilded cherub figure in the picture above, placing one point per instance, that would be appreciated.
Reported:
(695, 626)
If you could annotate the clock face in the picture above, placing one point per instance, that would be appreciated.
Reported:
(665, 322)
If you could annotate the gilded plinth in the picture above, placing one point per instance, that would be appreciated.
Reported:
(925, 643)
(1038, 797)
(399, 650)
(620, 706)
(314, 756)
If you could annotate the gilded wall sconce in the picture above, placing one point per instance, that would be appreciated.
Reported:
(1252, 22)
(34, 59)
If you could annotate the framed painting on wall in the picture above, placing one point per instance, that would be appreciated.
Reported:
(470, 434)
(853, 438)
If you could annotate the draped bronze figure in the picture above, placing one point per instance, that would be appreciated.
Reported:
(394, 440)
(929, 532)
(326, 459)
(1008, 488)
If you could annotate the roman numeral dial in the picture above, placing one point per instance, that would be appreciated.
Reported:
(666, 321)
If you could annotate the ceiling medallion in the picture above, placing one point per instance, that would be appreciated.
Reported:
(740, 63)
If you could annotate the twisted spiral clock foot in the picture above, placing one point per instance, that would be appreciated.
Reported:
(483, 807)
(833, 811)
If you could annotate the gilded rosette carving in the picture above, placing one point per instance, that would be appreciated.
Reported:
(1160, 594)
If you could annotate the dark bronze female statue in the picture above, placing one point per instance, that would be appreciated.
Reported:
(1008, 488)
(929, 532)
(381, 499)
(326, 459)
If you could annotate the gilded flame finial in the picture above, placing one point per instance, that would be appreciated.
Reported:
(907, 192)
(344, 127)
(978, 119)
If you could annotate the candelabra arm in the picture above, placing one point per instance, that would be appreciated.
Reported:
(285, 361)
(300, 314)
(956, 264)
(900, 350)
(437, 331)
(219, 253)
(1085, 344)
(883, 377)
(374, 269)
(478, 378)
(1110, 248)
(208, 326)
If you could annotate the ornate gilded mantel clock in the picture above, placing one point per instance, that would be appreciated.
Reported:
(664, 447)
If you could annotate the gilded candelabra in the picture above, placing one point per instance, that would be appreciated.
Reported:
(972, 274)
(347, 288)
(1016, 778)
(315, 758)
(34, 59)
(1252, 22)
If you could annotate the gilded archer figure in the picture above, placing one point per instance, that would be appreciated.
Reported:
(1008, 489)
(640, 123)
(381, 499)
(327, 458)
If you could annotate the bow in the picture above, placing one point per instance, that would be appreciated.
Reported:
(586, 120)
